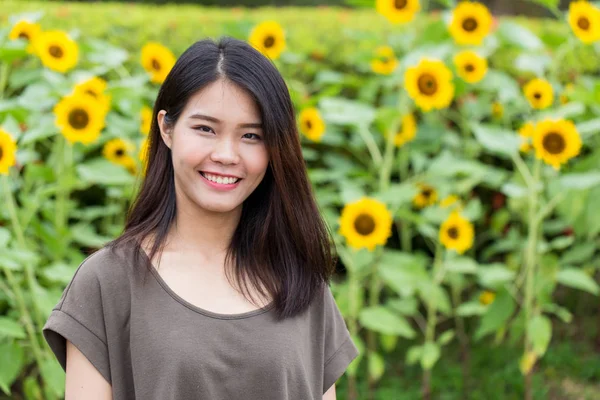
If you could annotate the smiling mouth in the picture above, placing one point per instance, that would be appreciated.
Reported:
(220, 180)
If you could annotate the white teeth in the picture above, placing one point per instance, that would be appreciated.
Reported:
(219, 179)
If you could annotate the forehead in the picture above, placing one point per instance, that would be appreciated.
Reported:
(223, 100)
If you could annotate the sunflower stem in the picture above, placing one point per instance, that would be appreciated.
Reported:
(367, 136)
(65, 154)
(4, 71)
(523, 170)
(530, 263)
(406, 231)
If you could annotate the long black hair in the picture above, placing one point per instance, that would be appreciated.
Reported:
(281, 244)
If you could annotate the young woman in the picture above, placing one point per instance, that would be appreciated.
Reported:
(218, 287)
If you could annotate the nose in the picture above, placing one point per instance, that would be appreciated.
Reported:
(225, 151)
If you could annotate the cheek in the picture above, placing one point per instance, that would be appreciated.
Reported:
(257, 161)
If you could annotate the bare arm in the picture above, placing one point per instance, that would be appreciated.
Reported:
(83, 379)
(330, 394)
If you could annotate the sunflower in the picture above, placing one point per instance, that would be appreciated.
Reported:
(471, 66)
(539, 93)
(556, 141)
(79, 118)
(130, 164)
(408, 130)
(487, 297)
(366, 223)
(143, 153)
(311, 124)
(497, 110)
(8, 151)
(471, 23)
(57, 50)
(269, 38)
(29, 31)
(117, 151)
(157, 60)
(398, 11)
(449, 201)
(95, 87)
(146, 118)
(385, 61)
(429, 84)
(426, 196)
(456, 233)
(526, 133)
(584, 19)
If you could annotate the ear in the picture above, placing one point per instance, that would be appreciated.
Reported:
(165, 133)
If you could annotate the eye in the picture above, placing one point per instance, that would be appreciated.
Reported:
(257, 137)
(202, 128)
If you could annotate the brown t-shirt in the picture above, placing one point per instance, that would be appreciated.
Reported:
(149, 343)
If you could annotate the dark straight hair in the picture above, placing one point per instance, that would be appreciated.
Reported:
(281, 244)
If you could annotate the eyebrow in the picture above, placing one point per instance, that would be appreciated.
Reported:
(217, 121)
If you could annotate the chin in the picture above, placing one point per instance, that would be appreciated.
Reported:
(217, 207)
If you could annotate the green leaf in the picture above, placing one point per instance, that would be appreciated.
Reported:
(430, 354)
(13, 50)
(11, 362)
(414, 354)
(341, 111)
(388, 342)
(403, 272)
(496, 315)
(494, 275)
(4, 237)
(540, 332)
(577, 279)
(381, 319)
(101, 171)
(53, 376)
(588, 128)
(519, 36)
(435, 296)
(445, 337)
(547, 3)
(376, 366)
(580, 181)
(470, 309)
(461, 265)
(579, 253)
(496, 140)
(11, 328)
(407, 306)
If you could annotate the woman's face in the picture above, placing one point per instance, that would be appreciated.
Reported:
(217, 146)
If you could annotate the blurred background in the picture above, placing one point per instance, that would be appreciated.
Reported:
(452, 147)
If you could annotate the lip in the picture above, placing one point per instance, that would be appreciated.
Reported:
(223, 175)
(220, 186)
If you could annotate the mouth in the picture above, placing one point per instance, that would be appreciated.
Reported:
(220, 180)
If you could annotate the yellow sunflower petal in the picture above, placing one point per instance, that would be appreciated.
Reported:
(471, 23)
(457, 233)
(487, 297)
(95, 87)
(584, 19)
(429, 84)
(27, 30)
(366, 223)
(269, 38)
(407, 132)
(118, 151)
(79, 118)
(398, 11)
(556, 141)
(146, 118)
(426, 196)
(385, 61)
(57, 50)
(471, 66)
(311, 124)
(8, 152)
(539, 93)
(157, 60)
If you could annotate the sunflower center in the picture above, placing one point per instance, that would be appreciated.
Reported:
(78, 118)
(364, 224)
(537, 95)
(400, 4)
(56, 51)
(453, 232)
(469, 24)
(583, 23)
(269, 41)
(427, 84)
(119, 152)
(91, 92)
(1, 153)
(308, 124)
(469, 68)
(554, 143)
(426, 193)
(155, 64)
(24, 35)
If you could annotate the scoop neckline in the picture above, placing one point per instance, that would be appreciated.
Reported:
(195, 308)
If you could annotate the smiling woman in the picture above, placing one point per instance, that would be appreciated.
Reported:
(238, 258)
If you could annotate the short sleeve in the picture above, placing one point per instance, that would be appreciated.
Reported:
(340, 350)
(79, 317)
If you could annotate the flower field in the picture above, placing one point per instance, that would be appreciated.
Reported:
(454, 155)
